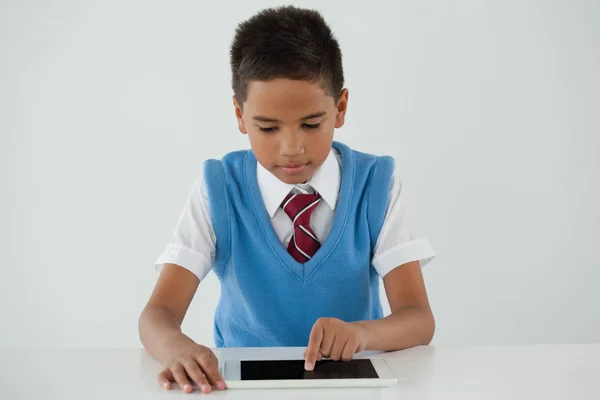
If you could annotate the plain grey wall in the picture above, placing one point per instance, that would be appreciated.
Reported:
(491, 109)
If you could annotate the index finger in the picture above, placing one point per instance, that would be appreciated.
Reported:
(314, 344)
(319, 355)
(210, 366)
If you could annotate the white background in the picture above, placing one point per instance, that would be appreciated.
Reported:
(491, 109)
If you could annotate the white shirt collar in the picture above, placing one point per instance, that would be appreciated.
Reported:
(325, 180)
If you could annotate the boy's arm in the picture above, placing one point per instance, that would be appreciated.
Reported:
(411, 322)
(160, 331)
(160, 321)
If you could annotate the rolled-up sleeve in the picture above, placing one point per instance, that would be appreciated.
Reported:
(398, 242)
(193, 243)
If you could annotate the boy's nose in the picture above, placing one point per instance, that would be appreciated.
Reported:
(292, 146)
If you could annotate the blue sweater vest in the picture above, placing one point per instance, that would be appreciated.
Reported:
(268, 298)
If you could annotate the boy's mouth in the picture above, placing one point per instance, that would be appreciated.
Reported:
(293, 168)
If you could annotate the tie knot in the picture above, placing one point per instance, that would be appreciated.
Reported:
(299, 206)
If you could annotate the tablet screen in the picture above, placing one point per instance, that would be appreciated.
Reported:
(294, 369)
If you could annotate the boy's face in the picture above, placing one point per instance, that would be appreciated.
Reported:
(290, 125)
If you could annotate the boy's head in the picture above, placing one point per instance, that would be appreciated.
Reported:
(288, 80)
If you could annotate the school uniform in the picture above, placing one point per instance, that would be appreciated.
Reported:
(283, 264)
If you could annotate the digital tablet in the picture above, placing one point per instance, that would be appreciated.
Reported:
(248, 374)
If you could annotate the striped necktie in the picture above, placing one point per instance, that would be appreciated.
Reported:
(299, 207)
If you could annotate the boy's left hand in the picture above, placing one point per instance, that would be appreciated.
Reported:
(335, 339)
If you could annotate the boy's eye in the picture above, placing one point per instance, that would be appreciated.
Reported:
(274, 128)
(312, 126)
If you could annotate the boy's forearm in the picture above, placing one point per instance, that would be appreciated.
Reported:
(407, 327)
(157, 327)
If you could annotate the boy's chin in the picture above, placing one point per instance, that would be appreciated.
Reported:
(293, 179)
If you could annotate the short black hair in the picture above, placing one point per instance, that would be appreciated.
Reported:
(286, 42)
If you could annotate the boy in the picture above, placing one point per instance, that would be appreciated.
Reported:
(298, 230)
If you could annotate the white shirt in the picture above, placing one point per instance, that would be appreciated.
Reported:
(193, 243)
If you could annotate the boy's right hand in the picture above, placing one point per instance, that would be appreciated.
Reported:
(186, 359)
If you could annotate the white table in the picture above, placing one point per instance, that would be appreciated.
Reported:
(430, 372)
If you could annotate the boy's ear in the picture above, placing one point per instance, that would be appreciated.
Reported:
(342, 107)
(239, 115)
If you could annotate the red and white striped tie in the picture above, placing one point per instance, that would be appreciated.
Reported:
(299, 207)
